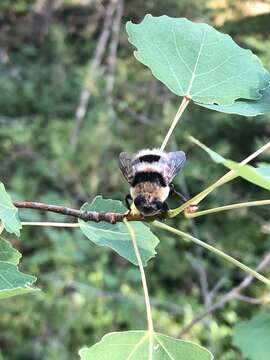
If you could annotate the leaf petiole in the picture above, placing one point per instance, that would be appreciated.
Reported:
(230, 175)
(214, 250)
(179, 113)
(145, 288)
(227, 207)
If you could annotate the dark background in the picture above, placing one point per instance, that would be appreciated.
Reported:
(49, 52)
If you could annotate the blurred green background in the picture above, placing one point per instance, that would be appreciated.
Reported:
(52, 51)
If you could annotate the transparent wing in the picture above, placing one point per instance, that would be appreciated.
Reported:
(176, 161)
(125, 159)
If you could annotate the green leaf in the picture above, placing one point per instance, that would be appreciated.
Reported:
(197, 61)
(8, 253)
(116, 236)
(9, 213)
(12, 281)
(245, 107)
(252, 337)
(249, 173)
(134, 345)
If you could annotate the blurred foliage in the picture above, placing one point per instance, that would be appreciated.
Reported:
(45, 49)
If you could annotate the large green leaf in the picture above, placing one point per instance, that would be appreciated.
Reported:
(134, 345)
(256, 176)
(195, 60)
(245, 107)
(252, 337)
(12, 281)
(9, 213)
(116, 236)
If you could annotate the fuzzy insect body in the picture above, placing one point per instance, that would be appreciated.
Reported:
(150, 174)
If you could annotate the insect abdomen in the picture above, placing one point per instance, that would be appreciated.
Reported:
(149, 158)
(147, 176)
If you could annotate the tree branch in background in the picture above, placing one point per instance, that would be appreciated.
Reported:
(92, 69)
(42, 19)
(112, 58)
(232, 294)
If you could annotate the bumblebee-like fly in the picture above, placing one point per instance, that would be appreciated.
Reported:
(150, 174)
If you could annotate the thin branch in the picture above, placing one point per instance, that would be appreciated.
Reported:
(232, 294)
(50, 223)
(112, 59)
(79, 214)
(93, 68)
(248, 299)
(43, 13)
(215, 289)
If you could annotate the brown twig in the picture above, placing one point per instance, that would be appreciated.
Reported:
(232, 294)
(79, 214)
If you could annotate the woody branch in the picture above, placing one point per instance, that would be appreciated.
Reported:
(110, 217)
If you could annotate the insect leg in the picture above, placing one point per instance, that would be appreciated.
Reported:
(127, 198)
(174, 192)
(165, 207)
(191, 208)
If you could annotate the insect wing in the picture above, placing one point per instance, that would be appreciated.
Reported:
(125, 160)
(175, 162)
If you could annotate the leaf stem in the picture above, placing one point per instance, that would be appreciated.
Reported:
(145, 288)
(228, 207)
(179, 113)
(230, 175)
(56, 224)
(216, 251)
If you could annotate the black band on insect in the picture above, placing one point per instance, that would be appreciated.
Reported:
(153, 177)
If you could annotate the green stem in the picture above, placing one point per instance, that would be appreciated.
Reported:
(230, 175)
(216, 251)
(179, 113)
(228, 207)
(145, 288)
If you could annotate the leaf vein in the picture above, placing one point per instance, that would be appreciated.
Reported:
(168, 63)
(164, 348)
(221, 82)
(6, 281)
(216, 67)
(137, 346)
(178, 51)
(196, 64)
